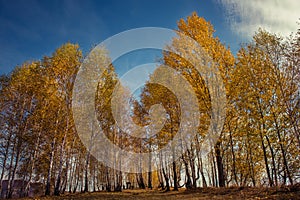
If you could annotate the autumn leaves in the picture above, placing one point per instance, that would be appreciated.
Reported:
(257, 145)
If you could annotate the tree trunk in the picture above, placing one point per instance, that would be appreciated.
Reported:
(166, 180)
(86, 183)
(48, 183)
(266, 160)
(221, 176)
(285, 163)
(108, 184)
(175, 177)
(150, 180)
(274, 170)
(58, 180)
(12, 180)
(263, 126)
(188, 183)
(233, 158)
(150, 170)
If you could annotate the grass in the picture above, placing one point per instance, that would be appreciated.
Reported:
(200, 193)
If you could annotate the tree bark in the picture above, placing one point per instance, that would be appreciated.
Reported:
(221, 176)
(48, 183)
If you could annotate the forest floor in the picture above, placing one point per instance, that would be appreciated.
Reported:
(283, 193)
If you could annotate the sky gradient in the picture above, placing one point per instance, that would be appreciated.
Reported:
(32, 29)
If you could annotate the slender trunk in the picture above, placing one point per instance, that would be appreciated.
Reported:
(51, 156)
(233, 158)
(10, 166)
(77, 179)
(273, 161)
(58, 180)
(150, 170)
(200, 163)
(160, 178)
(188, 183)
(66, 174)
(263, 126)
(166, 180)
(118, 187)
(193, 170)
(285, 163)
(4, 161)
(251, 164)
(17, 159)
(220, 167)
(175, 179)
(204, 183)
(27, 187)
(86, 183)
(11, 182)
(150, 180)
(72, 174)
(266, 160)
(94, 178)
(108, 184)
(21, 131)
(214, 171)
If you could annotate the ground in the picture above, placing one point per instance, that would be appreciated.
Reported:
(283, 193)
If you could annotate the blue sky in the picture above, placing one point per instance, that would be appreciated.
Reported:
(31, 29)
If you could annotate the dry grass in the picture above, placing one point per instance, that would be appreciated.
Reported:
(201, 193)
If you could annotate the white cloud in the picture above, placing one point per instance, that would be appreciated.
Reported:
(276, 16)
